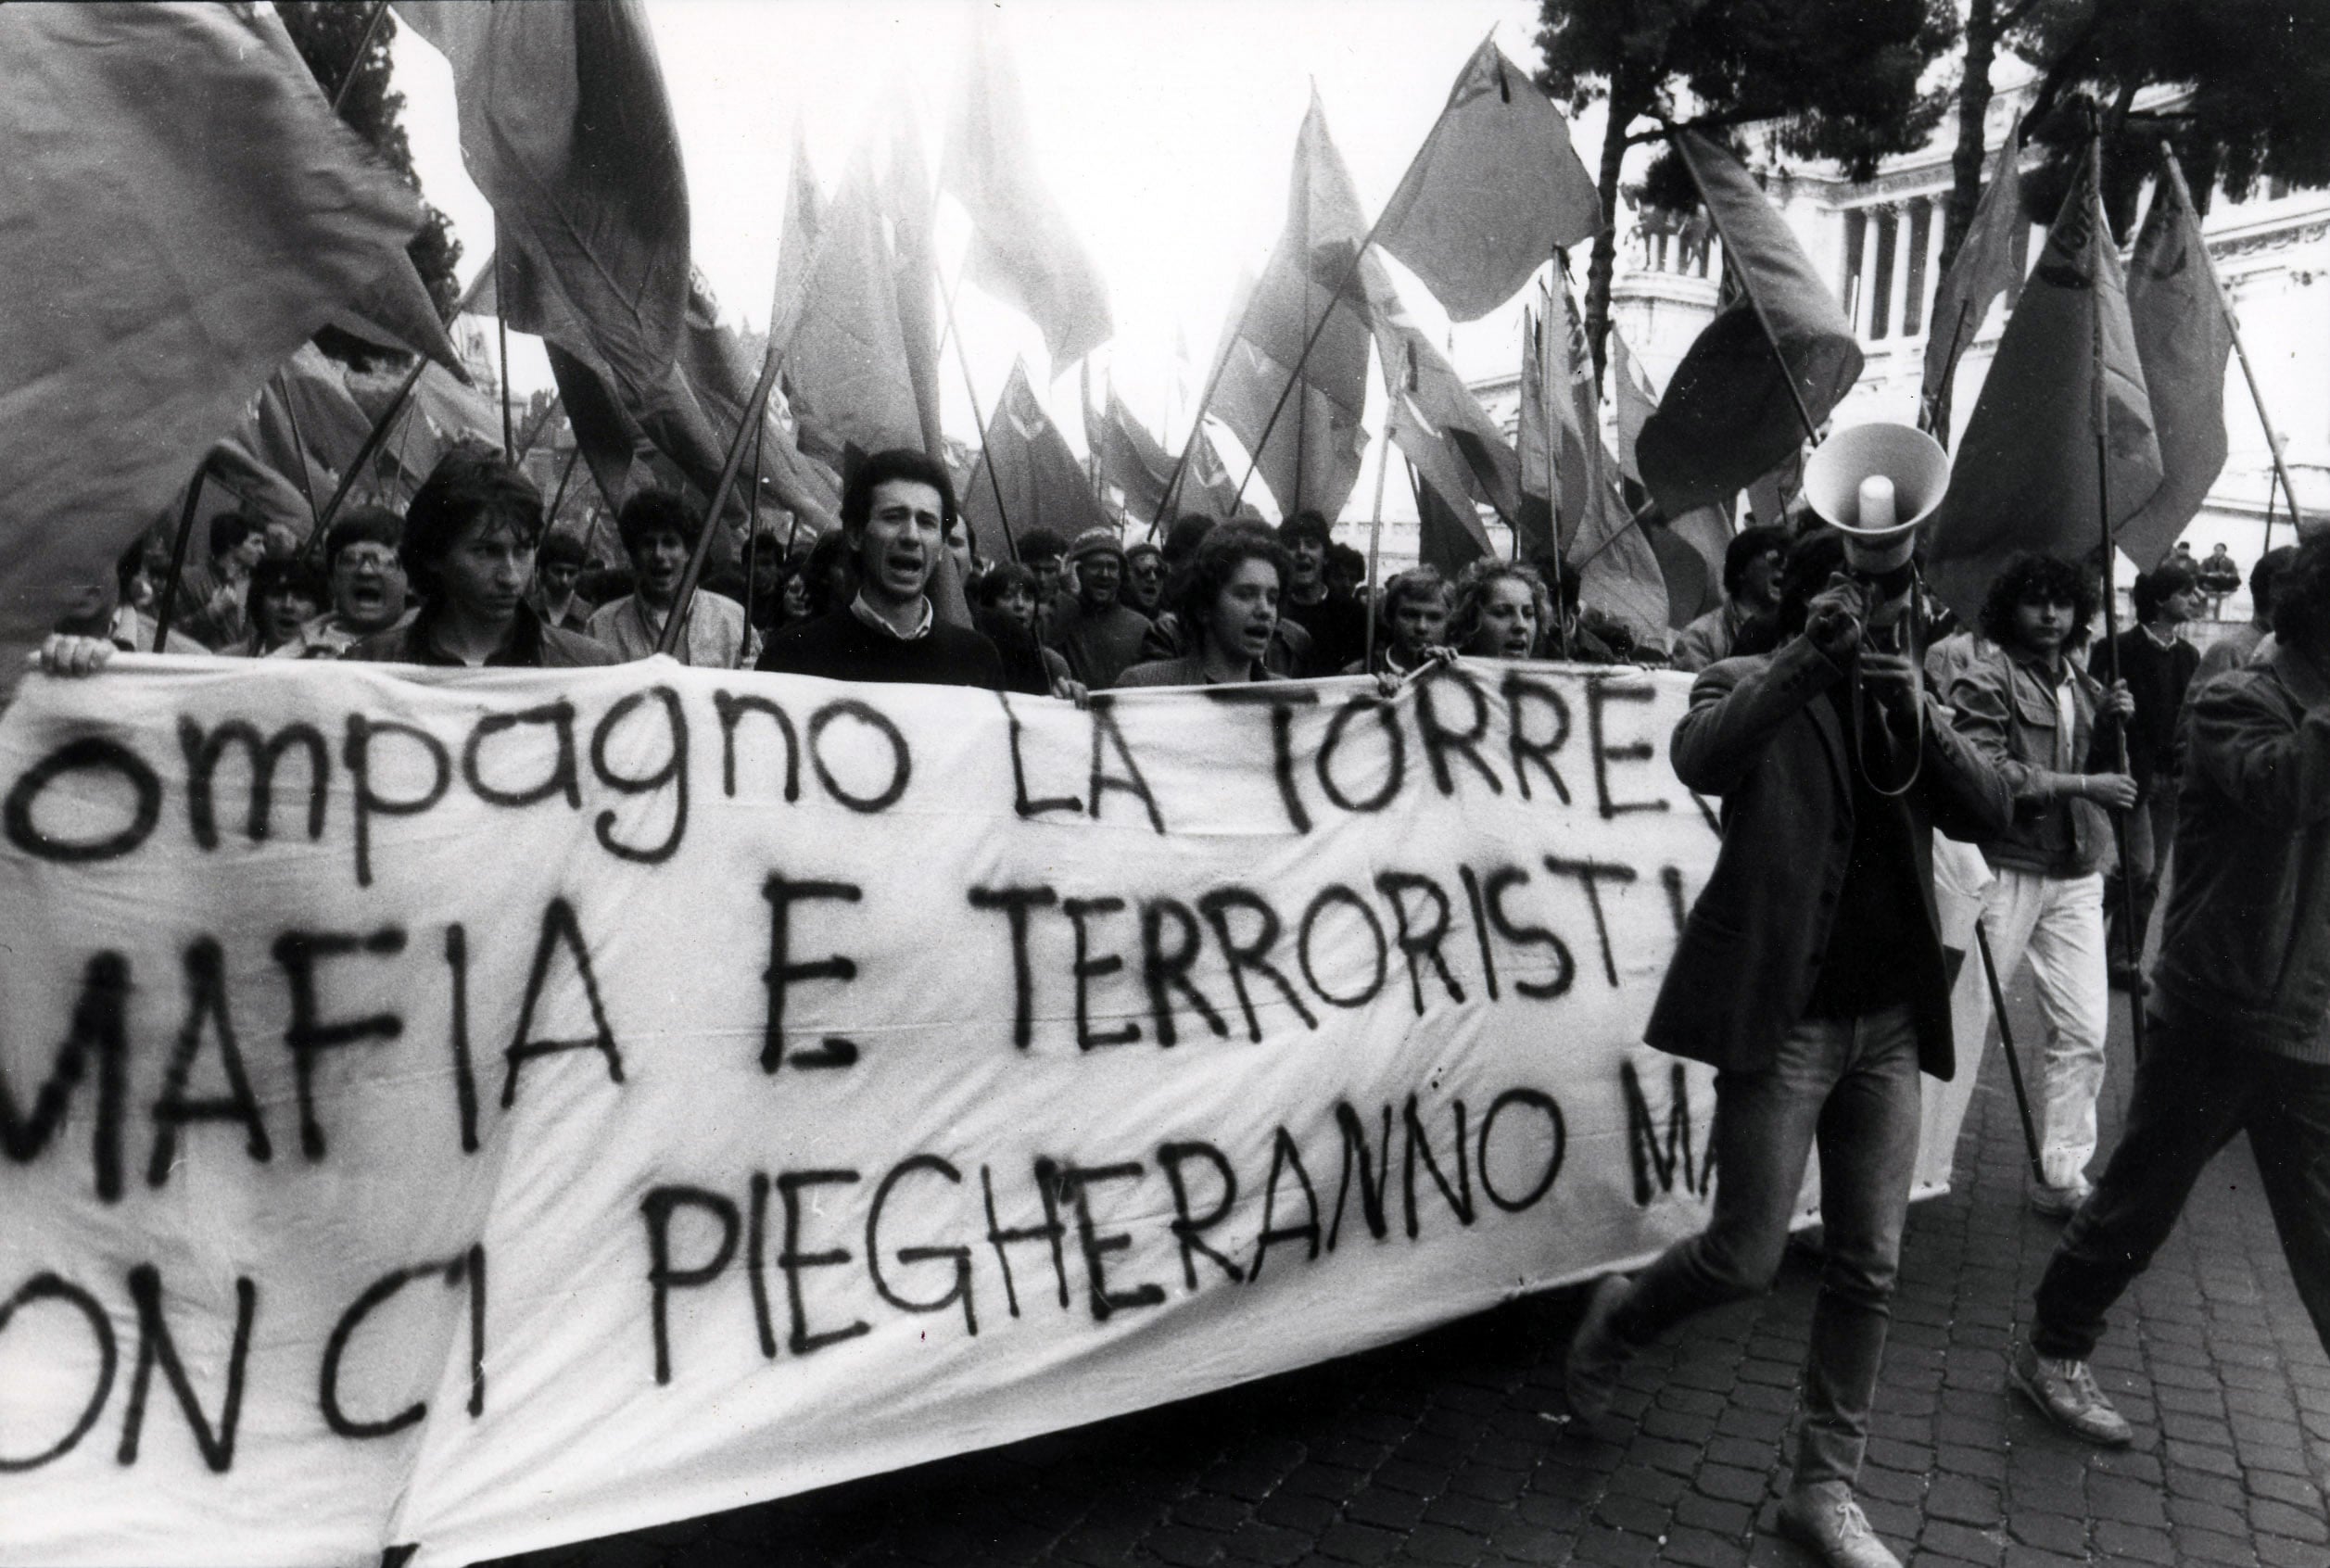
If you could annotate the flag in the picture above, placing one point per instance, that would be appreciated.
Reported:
(1306, 440)
(1449, 534)
(396, 313)
(1983, 268)
(567, 131)
(2024, 478)
(1495, 188)
(1727, 417)
(180, 210)
(797, 245)
(846, 368)
(1618, 573)
(1559, 433)
(2183, 340)
(1636, 403)
(305, 417)
(1435, 419)
(1026, 476)
(915, 269)
(1022, 249)
(1135, 461)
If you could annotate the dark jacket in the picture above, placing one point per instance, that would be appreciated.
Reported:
(1762, 734)
(840, 646)
(2006, 707)
(531, 645)
(2157, 677)
(2245, 944)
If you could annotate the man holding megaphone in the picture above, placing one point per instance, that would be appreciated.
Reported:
(1810, 972)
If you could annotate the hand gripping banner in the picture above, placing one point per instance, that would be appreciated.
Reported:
(493, 1110)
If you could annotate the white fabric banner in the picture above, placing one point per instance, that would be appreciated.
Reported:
(490, 1109)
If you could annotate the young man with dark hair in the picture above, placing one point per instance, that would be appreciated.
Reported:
(1810, 975)
(1337, 623)
(1751, 578)
(213, 596)
(1094, 631)
(1041, 551)
(468, 545)
(2239, 1035)
(659, 530)
(895, 511)
(364, 578)
(558, 569)
(2159, 668)
(2049, 729)
(285, 597)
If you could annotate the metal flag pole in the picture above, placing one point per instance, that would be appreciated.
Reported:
(2240, 351)
(2099, 416)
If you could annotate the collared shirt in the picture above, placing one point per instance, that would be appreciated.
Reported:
(868, 613)
(712, 636)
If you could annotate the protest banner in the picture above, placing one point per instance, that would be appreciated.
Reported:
(487, 1109)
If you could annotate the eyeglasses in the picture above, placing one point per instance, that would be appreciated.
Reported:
(356, 558)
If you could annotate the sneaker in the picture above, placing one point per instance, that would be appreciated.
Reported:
(1824, 1519)
(2066, 1394)
(2061, 1203)
(1596, 1354)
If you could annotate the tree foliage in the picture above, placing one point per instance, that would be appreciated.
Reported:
(1831, 79)
(328, 34)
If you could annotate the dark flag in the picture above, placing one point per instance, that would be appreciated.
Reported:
(1981, 271)
(1028, 461)
(2183, 341)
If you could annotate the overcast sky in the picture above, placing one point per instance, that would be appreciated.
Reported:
(1164, 127)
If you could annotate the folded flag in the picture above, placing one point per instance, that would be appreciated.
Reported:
(2183, 340)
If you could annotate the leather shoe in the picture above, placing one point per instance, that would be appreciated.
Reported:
(1824, 1519)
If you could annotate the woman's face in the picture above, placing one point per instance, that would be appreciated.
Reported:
(1508, 622)
(1018, 602)
(1245, 612)
(284, 611)
(1418, 622)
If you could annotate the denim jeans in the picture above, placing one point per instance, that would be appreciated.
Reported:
(2059, 922)
(1849, 1085)
(2191, 1096)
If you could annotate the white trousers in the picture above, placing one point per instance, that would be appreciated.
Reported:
(2059, 921)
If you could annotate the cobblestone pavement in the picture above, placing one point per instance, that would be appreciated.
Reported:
(1447, 1449)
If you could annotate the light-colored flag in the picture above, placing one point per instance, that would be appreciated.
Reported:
(1026, 476)
(1022, 249)
(797, 245)
(180, 210)
(1637, 402)
(1435, 419)
(846, 369)
(1305, 441)
(1494, 190)
(1618, 573)
(1728, 416)
(2183, 341)
(910, 203)
(2025, 475)
(1981, 271)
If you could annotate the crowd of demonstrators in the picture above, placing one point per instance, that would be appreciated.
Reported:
(365, 585)
(2055, 734)
(659, 530)
(897, 508)
(214, 593)
(2159, 666)
(285, 595)
(1750, 587)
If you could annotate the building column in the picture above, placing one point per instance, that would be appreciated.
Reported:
(1863, 313)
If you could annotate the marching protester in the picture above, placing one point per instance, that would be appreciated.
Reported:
(107, 620)
(1041, 551)
(468, 546)
(1337, 621)
(558, 569)
(1412, 624)
(2233, 649)
(1228, 603)
(1145, 578)
(2239, 1035)
(366, 580)
(1751, 576)
(2053, 733)
(1811, 976)
(659, 531)
(1501, 611)
(1092, 630)
(2159, 666)
(895, 512)
(1003, 610)
(284, 596)
(213, 595)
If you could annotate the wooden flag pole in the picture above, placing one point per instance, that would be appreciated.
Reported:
(2099, 416)
(168, 612)
(994, 485)
(755, 413)
(2273, 490)
(2240, 351)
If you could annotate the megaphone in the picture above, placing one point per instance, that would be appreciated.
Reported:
(1875, 483)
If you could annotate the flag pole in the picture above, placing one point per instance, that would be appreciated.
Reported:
(2233, 327)
(2274, 488)
(752, 542)
(502, 330)
(1198, 419)
(994, 485)
(356, 62)
(557, 497)
(1553, 484)
(2099, 416)
(298, 445)
(168, 612)
(1375, 533)
(755, 415)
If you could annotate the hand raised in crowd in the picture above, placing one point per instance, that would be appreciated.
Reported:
(1832, 617)
(66, 654)
(2119, 701)
(2114, 791)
